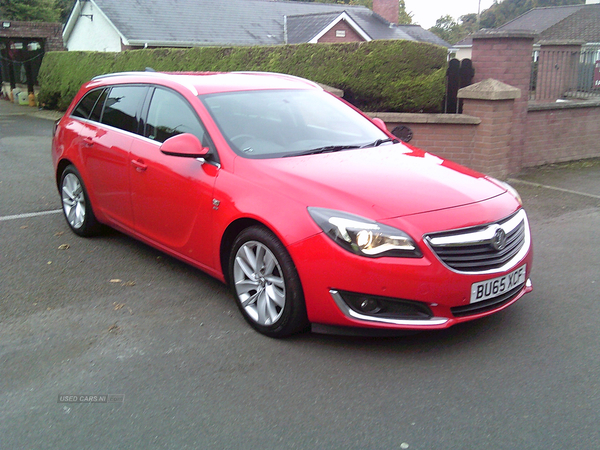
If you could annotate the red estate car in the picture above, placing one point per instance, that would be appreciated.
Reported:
(311, 212)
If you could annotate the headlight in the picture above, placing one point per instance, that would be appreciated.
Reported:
(509, 188)
(364, 237)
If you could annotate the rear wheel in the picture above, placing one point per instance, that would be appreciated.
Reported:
(265, 283)
(76, 203)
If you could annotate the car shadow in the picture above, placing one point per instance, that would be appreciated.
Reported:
(481, 332)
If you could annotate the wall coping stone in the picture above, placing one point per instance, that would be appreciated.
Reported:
(490, 89)
(563, 105)
(448, 119)
(487, 33)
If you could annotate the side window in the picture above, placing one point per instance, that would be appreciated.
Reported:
(87, 103)
(170, 114)
(122, 106)
(97, 111)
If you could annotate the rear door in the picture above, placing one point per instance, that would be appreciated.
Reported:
(172, 195)
(106, 147)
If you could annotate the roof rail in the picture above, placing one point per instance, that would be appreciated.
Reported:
(150, 73)
(124, 74)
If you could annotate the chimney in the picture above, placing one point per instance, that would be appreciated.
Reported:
(388, 9)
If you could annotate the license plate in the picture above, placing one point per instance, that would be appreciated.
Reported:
(497, 286)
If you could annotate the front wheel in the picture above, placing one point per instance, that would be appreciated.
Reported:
(265, 283)
(76, 203)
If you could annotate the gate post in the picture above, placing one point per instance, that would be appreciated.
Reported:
(494, 103)
(507, 57)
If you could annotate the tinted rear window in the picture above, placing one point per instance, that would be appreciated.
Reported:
(121, 108)
(87, 103)
(97, 112)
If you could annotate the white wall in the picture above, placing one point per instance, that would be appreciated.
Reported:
(95, 34)
(464, 53)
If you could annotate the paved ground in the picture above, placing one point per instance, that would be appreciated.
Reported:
(112, 316)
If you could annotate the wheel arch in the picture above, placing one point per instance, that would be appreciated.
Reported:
(231, 232)
(60, 168)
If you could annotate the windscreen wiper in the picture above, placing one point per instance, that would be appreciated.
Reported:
(378, 142)
(326, 149)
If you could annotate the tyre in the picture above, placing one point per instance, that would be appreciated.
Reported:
(265, 284)
(76, 203)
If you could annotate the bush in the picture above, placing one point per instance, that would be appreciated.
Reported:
(401, 76)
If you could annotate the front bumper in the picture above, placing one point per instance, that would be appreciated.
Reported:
(328, 272)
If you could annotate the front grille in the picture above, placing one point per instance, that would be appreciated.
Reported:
(486, 305)
(483, 248)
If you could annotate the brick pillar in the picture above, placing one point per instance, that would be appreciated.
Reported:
(557, 69)
(494, 103)
(506, 56)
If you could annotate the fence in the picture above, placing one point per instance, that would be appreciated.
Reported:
(588, 77)
(565, 72)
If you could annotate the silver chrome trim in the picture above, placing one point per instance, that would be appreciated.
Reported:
(479, 237)
(483, 237)
(339, 301)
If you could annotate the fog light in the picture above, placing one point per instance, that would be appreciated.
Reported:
(370, 306)
(385, 307)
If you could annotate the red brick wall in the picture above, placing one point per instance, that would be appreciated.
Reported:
(342, 25)
(449, 141)
(561, 134)
(50, 32)
(553, 133)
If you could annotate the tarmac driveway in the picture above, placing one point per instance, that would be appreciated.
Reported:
(111, 316)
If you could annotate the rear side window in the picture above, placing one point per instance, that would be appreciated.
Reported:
(87, 103)
(169, 115)
(97, 111)
(122, 107)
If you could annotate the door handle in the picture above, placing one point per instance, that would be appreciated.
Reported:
(88, 142)
(139, 165)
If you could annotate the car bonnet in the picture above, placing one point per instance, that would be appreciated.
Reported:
(380, 183)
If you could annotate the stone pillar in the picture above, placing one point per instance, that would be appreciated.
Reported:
(506, 56)
(557, 69)
(494, 103)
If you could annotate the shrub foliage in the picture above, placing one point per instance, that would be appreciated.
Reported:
(402, 76)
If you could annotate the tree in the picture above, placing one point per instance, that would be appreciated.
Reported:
(30, 10)
(446, 28)
(404, 17)
(65, 7)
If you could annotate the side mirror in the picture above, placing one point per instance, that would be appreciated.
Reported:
(186, 145)
(380, 124)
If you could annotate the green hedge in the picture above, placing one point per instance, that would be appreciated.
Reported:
(402, 76)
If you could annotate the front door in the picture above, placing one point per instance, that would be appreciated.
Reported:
(172, 195)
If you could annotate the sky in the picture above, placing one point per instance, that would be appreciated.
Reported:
(426, 12)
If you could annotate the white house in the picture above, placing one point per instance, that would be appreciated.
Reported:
(116, 25)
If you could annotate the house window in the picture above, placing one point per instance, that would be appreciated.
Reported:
(340, 33)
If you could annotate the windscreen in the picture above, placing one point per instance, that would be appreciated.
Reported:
(280, 123)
